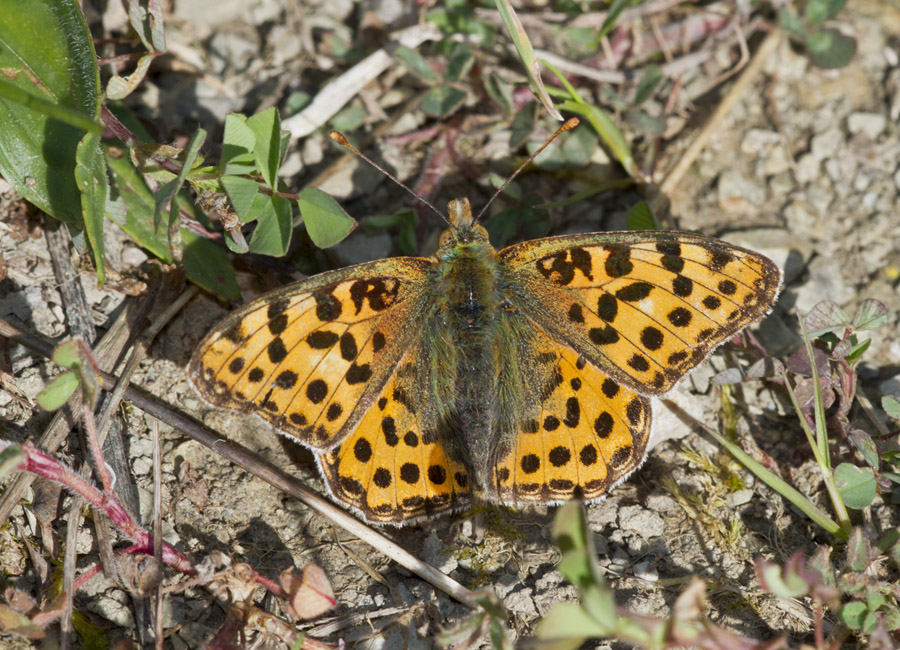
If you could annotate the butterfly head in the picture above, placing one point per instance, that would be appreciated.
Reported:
(463, 228)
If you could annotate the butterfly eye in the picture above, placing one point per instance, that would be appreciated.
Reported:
(480, 231)
(444, 239)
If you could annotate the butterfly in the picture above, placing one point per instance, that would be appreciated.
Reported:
(520, 376)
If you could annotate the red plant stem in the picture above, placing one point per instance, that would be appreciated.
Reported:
(90, 429)
(37, 462)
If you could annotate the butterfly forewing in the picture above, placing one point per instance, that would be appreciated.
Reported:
(646, 306)
(310, 358)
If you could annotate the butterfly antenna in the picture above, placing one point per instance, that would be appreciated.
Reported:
(341, 140)
(570, 124)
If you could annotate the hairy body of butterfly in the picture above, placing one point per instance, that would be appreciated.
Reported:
(519, 376)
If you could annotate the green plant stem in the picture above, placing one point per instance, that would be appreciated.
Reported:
(822, 438)
(778, 484)
(824, 465)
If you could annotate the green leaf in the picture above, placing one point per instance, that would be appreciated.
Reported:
(499, 91)
(416, 64)
(610, 134)
(653, 74)
(266, 127)
(238, 140)
(612, 16)
(90, 174)
(205, 263)
(640, 217)
(891, 406)
(818, 11)
(242, 193)
(207, 266)
(871, 315)
(853, 614)
(792, 23)
(58, 391)
(272, 234)
(571, 535)
(858, 552)
(326, 222)
(856, 485)
(461, 60)
(10, 459)
(566, 626)
(166, 195)
(47, 53)
(523, 125)
(829, 48)
(442, 101)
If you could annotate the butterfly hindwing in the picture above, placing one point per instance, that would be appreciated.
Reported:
(588, 435)
(309, 358)
(647, 307)
(391, 468)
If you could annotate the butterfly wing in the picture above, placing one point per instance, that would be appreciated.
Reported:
(394, 468)
(311, 358)
(589, 434)
(644, 307)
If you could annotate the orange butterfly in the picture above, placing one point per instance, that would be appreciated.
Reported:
(519, 376)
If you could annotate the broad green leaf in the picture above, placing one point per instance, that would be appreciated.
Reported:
(10, 458)
(461, 60)
(206, 264)
(891, 406)
(818, 11)
(829, 48)
(871, 315)
(785, 583)
(241, 192)
(640, 217)
(416, 64)
(853, 614)
(653, 74)
(566, 626)
(442, 101)
(272, 234)
(266, 127)
(499, 91)
(90, 173)
(326, 222)
(238, 140)
(523, 125)
(58, 391)
(856, 485)
(47, 52)
(792, 23)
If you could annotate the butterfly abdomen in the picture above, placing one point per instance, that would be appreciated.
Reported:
(469, 310)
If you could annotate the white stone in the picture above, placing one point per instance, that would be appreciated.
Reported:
(826, 144)
(869, 124)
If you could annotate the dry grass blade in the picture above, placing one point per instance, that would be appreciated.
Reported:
(526, 54)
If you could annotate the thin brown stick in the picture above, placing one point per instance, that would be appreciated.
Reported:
(264, 470)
